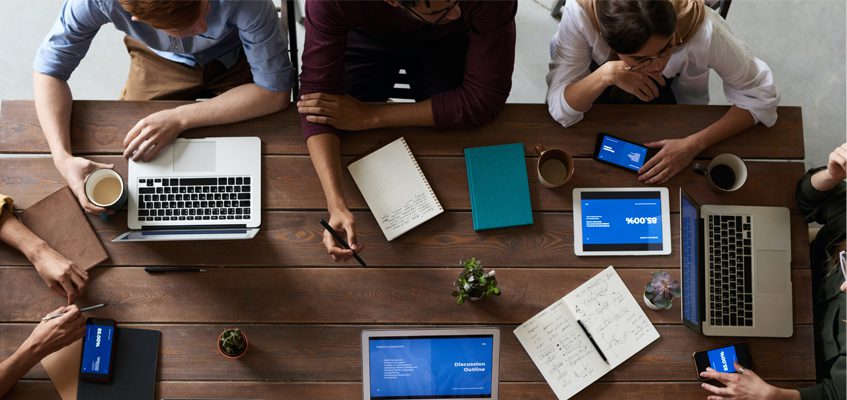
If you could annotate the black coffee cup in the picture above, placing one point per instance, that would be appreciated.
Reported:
(726, 172)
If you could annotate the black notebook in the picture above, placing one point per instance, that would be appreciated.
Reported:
(134, 369)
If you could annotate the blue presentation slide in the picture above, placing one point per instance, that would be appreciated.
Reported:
(690, 265)
(427, 367)
(622, 153)
(722, 359)
(97, 349)
(621, 221)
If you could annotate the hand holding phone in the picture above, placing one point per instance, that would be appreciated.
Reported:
(621, 153)
(723, 359)
(98, 349)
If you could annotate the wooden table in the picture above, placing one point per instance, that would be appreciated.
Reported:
(303, 313)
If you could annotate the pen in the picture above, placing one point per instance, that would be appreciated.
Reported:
(91, 308)
(158, 270)
(343, 242)
(592, 341)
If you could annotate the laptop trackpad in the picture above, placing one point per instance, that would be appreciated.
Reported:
(194, 156)
(771, 273)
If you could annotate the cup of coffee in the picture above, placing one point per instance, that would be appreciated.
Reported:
(555, 166)
(726, 173)
(105, 188)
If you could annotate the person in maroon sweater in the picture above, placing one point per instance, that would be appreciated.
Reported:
(458, 55)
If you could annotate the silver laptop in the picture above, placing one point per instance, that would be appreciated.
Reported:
(736, 269)
(197, 189)
(431, 364)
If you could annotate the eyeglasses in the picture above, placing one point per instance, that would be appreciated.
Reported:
(647, 61)
(440, 18)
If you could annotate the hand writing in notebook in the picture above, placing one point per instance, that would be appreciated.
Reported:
(343, 223)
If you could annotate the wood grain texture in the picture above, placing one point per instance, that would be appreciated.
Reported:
(290, 182)
(321, 296)
(98, 127)
(333, 353)
(43, 390)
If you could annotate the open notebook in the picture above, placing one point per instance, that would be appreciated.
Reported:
(395, 189)
(560, 348)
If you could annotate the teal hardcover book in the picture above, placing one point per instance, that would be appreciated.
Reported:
(498, 185)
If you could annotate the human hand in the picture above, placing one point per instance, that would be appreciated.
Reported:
(836, 167)
(152, 134)
(50, 336)
(674, 156)
(638, 83)
(74, 170)
(59, 273)
(341, 111)
(745, 385)
(343, 222)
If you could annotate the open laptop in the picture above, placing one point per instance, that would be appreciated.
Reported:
(431, 364)
(197, 189)
(736, 269)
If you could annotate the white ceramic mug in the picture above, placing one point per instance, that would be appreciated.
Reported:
(726, 172)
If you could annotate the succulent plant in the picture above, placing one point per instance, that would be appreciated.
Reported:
(661, 290)
(474, 283)
(233, 342)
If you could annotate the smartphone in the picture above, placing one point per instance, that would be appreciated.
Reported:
(620, 153)
(722, 359)
(98, 350)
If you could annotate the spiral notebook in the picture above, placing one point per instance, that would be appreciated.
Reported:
(395, 188)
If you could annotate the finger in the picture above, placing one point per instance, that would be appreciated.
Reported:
(655, 145)
(133, 133)
(143, 148)
(71, 313)
(311, 96)
(654, 90)
(739, 367)
(641, 94)
(133, 147)
(314, 110)
(78, 282)
(657, 77)
(341, 254)
(651, 172)
(351, 236)
(153, 152)
(844, 287)
(315, 103)
(661, 177)
(98, 165)
(716, 390)
(80, 271)
(58, 289)
(321, 119)
(334, 250)
(715, 398)
(69, 290)
(650, 163)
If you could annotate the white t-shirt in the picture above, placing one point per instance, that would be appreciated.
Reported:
(747, 81)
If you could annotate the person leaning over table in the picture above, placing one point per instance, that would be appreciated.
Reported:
(59, 273)
(660, 52)
(233, 51)
(47, 338)
(458, 55)
(821, 196)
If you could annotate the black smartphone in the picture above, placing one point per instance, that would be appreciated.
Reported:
(98, 350)
(722, 359)
(620, 153)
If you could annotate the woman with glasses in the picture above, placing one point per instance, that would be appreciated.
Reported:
(656, 51)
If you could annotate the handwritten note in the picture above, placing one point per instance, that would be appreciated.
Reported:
(561, 350)
(395, 189)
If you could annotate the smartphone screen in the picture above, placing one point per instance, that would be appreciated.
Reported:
(723, 359)
(619, 152)
(97, 348)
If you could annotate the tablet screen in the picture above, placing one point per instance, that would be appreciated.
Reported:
(621, 221)
(425, 367)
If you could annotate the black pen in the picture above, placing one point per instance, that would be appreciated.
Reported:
(592, 341)
(343, 242)
(158, 270)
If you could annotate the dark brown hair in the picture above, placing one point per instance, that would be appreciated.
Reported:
(628, 24)
(165, 14)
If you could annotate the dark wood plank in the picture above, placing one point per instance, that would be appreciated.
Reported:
(295, 295)
(333, 353)
(289, 182)
(294, 239)
(43, 390)
(98, 127)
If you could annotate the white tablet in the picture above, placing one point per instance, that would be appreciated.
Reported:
(431, 364)
(621, 222)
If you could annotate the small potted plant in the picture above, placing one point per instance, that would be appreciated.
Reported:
(660, 291)
(474, 283)
(232, 343)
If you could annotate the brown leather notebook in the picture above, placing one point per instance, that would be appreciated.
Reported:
(59, 220)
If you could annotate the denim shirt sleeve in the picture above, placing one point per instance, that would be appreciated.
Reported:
(265, 45)
(69, 38)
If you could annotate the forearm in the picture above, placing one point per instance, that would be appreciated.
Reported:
(53, 102)
(325, 151)
(784, 394)
(403, 114)
(15, 234)
(15, 367)
(733, 122)
(580, 95)
(237, 104)
(822, 181)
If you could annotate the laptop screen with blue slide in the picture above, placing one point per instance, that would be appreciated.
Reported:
(428, 367)
(690, 221)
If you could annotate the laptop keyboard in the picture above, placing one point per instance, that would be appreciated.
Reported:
(731, 272)
(194, 199)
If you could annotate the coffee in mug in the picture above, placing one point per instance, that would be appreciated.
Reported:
(105, 188)
(726, 172)
(555, 166)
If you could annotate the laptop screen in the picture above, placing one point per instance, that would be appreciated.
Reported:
(423, 367)
(690, 268)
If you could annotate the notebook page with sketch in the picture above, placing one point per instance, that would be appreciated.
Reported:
(561, 350)
(395, 189)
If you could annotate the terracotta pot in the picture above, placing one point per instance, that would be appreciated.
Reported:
(223, 353)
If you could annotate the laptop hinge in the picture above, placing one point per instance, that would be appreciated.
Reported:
(701, 270)
(188, 227)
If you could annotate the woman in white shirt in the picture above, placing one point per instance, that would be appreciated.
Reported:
(652, 51)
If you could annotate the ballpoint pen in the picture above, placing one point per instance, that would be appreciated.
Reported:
(91, 308)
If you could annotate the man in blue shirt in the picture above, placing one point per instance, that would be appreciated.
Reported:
(231, 50)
